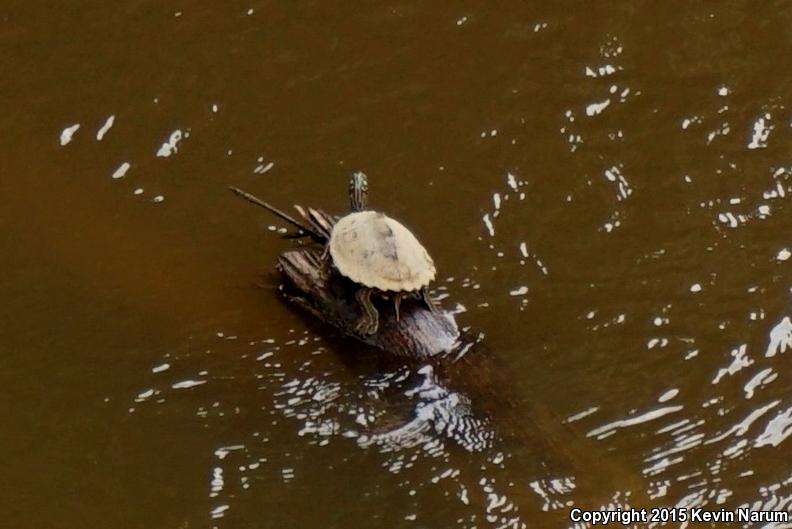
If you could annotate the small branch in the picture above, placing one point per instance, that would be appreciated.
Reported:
(272, 209)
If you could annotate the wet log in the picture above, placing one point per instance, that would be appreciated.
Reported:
(312, 284)
(418, 334)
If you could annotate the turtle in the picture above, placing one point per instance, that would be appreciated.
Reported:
(380, 255)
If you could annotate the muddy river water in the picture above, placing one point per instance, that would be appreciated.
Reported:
(605, 188)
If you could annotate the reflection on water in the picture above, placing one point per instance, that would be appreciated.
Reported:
(412, 420)
(604, 189)
(693, 453)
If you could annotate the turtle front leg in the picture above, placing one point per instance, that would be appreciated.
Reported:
(369, 320)
(427, 299)
(326, 261)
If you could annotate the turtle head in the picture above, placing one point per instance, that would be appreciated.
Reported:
(358, 191)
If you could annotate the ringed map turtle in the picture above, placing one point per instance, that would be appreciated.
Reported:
(380, 254)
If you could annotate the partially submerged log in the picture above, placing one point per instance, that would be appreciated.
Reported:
(419, 333)
(457, 383)
(313, 285)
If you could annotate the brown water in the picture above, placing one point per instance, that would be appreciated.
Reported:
(605, 191)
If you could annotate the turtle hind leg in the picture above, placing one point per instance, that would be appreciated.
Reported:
(397, 299)
(427, 299)
(369, 320)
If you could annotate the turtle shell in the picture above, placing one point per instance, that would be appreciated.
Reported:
(376, 251)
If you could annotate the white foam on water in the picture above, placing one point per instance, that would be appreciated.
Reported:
(511, 180)
(582, 414)
(740, 361)
(144, 395)
(121, 171)
(223, 451)
(614, 174)
(668, 395)
(263, 168)
(762, 378)
(594, 109)
(780, 338)
(777, 430)
(100, 134)
(160, 368)
(67, 134)
(171, 145)
(761, 131)
(601, 71)
(219, 511)
(742, 427)
(188, 384)
(639, 419)
(488, 224)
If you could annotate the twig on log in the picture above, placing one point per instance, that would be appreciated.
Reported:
(272, 209)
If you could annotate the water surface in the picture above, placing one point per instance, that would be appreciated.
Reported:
(604, 189)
